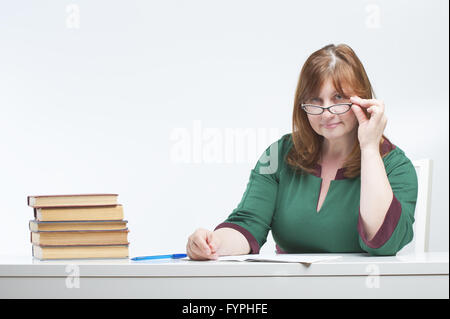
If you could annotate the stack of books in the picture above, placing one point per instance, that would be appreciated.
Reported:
(78, 226)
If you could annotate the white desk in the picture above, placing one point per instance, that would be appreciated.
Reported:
(352, 276)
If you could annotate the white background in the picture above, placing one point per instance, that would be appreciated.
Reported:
(94, 95)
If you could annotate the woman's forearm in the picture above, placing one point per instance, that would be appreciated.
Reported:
(232, 242)
(376, 191)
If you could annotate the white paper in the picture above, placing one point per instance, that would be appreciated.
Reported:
(282, 258)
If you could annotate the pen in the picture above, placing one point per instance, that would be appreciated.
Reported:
(173, 256)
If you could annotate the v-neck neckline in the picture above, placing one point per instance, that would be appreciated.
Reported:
(318, 173)
(339, 173)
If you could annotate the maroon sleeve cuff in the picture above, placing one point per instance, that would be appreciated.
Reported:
(254, 246)
(387, 228)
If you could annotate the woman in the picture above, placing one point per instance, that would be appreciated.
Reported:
(336, 184)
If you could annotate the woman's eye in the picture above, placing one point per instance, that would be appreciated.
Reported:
(338, 96)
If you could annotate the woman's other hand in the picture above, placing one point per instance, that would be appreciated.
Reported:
(203, 245)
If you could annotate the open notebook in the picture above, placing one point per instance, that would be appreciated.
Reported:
(282, 258)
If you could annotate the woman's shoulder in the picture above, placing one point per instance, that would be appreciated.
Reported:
(282, 144)
(390, 150)
(285, 144)
(287, 137)
(276, 152)
(394, 157)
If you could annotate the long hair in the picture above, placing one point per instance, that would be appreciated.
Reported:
(341, 65)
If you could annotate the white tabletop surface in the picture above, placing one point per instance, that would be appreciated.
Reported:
(349, 264)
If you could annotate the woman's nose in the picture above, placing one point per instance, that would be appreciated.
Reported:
(326, 113)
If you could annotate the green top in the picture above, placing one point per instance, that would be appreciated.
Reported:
(278, 199)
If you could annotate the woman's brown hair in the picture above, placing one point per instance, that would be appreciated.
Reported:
(343, 67)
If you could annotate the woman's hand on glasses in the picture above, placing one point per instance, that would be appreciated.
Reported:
(370, 129)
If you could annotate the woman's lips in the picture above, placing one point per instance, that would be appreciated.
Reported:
(332, 125)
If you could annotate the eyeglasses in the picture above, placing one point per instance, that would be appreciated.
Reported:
(339, 108)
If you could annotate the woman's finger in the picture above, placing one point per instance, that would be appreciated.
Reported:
(360, 116)
(201, 255)
(364, 102)
(201, 247)
(202, 241)
(196, 252)
(190, 251)
(375, 112)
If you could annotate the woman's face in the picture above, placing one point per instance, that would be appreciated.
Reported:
(332, 126)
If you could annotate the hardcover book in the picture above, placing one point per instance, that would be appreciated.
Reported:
(82, 237)
(80, 252)
(79, 213)
(72, 200)
(36, 225)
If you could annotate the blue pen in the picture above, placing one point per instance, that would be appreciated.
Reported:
(173, 256)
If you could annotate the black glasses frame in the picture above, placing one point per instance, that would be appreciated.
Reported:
(325, 108)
